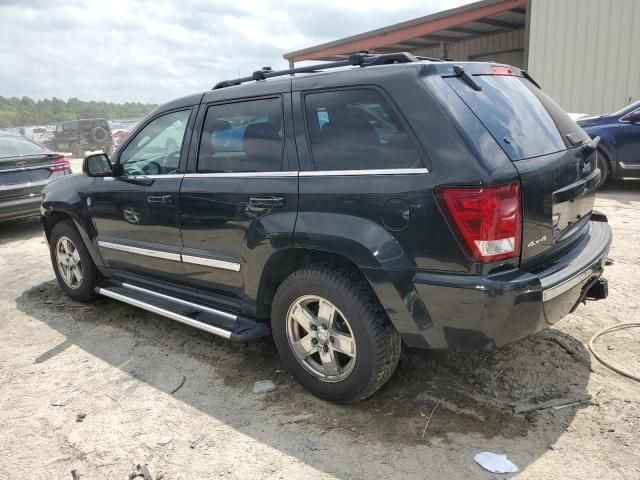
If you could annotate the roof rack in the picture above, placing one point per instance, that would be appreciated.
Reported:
(355, 60)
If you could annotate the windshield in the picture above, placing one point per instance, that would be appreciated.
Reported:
(520, 117)
(15, 146)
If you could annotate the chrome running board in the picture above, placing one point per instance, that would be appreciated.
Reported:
(208, 319)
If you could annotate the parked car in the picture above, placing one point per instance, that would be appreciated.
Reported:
(25, 168)
(619, 146)
(462, 217)
(81, 136)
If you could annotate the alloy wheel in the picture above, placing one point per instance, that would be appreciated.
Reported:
(68, 261)
(321, 338)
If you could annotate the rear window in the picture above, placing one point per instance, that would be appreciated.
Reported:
(15, 146)
(522, 119)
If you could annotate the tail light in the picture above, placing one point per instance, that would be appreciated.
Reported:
(59, 164)
(487, 219)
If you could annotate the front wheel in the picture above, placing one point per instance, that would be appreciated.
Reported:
(332, 334)
(75, 271)
(603, 165)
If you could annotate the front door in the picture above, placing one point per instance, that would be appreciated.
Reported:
(240, 201)
(628, 144)
(136, 212)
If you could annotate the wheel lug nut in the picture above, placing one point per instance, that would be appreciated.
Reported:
(324, 326)
(314, 341)
(314, 328)
(331, 339)
(325, 348)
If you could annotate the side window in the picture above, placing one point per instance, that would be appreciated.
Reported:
(356, 130)
(155, 150)
(242, 137)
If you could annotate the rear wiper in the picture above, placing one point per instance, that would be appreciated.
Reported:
(468, 79)
(526, 75)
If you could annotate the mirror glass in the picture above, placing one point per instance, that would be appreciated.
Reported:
(97, 165)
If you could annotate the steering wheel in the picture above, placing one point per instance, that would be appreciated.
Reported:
(153, 168)
(171, 160)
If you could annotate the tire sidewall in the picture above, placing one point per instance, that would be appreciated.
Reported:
(353, 309)
(603, 165)
(86, 290)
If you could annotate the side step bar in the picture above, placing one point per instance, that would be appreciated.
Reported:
(218, 322)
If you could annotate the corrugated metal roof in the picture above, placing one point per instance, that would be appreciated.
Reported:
(462, 23)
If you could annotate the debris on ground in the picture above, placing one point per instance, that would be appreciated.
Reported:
(195, 443)
(522, 406)
(141, 472)
(184, 379)
(80, 417)
(264, 386)
(429, 419)
(75, 475)
(495, 463)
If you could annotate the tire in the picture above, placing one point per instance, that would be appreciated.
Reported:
(603, 165)
(83, 288)
(98, 135)
(374, 342)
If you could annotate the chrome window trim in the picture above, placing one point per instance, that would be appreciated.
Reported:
(340, 173)
(210, 262)
(142, 177)
(140, 251)
(241, 174)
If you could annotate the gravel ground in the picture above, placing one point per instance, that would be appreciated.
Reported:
(90, 387)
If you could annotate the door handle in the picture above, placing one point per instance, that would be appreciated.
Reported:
(267, 202)
(164, 199)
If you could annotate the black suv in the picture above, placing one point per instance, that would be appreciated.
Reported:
(86, 135)
(344, 212)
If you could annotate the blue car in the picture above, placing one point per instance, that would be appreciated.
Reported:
(619, 147)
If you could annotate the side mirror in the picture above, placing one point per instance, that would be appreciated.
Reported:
(633, 117)
(97, 165)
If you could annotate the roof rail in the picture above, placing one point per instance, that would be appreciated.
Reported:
(355, 60)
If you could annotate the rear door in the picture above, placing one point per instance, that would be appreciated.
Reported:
(551, 152)
(240, 200)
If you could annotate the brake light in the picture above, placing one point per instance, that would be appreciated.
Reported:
(59, 164)
(501, 70)
(488, 220)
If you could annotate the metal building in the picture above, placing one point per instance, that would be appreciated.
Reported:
(582, 52)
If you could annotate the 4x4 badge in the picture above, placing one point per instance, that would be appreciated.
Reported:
(533, 243)
(586, 168)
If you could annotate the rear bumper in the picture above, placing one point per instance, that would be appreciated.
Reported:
(19, 207)
(479, 312)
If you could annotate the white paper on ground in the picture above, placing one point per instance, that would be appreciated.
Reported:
(495, 463)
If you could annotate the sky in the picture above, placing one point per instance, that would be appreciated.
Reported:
(156, 50)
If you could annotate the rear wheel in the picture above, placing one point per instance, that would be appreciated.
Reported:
(332, 334)
(75, 271)
(603, 165)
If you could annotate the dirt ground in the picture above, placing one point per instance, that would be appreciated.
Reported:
(91, 388)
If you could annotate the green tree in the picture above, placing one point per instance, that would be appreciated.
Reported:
(23, 112)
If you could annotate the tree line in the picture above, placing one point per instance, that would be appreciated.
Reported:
(22, 112)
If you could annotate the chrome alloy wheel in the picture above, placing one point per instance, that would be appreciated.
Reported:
(321, 338)
(68, 260)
